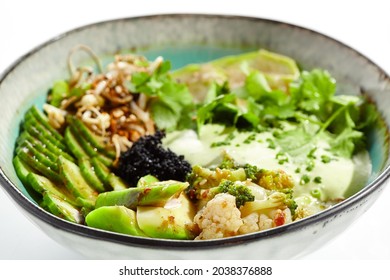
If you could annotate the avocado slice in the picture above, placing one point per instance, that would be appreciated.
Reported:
(173, 221)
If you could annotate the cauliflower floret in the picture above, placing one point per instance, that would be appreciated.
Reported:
(265, 222)
(262, 221)
(219, 218)
(250, 223)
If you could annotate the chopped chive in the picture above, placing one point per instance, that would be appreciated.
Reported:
(310, 166)
(281, 157)
(304, 179)
(225, 142)
(311, 154)
(317, 180)
(271, 143)
(316, 193)
(325, 159)
(250, 138)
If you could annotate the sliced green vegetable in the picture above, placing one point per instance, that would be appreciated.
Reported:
(22, 170)
(43, 185)
(40, 117)
(101, 170)
(75, 182)
(26, 156)
(174, 222)
(38, 139)
(90, 176)
(39, 156)
(75, 148)
(81, 148)
(114, 218)
(85, 146)
(35, 128)
(61, 208)
(36, 144)
(116, 183)
(146, 181)
(155, 194)
(100, 143)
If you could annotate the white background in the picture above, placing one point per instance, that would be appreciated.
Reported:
(364, 25)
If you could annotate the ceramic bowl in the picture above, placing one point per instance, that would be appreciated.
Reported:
(184, 39)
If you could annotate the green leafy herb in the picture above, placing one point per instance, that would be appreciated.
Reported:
(345, 143)
(309, 104)
(313, 92)
(169, 99)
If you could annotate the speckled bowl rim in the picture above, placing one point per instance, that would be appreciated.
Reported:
(85, 231)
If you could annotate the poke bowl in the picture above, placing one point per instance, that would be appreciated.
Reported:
(190, 136)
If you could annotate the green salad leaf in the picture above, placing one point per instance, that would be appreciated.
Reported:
(169, 99)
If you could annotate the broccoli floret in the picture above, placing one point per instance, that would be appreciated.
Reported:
(241, 192)
(204, 178)
(228, 163)
(236, 180)
(276, 200)
(290, 202)
(251, 171)
(268, 179)
(276, 180)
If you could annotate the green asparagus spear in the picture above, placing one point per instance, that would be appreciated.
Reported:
(114, 218)
(155, 194)
(146, 181)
